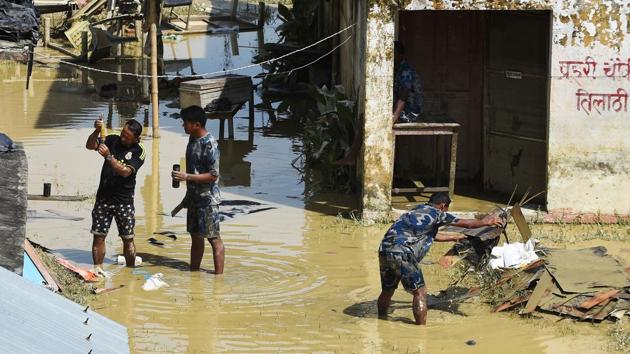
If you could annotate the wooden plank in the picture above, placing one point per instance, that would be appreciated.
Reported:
(100, 291)
(59, 198)
(512, 303)
(453, 166)
(420, 190)
(28, 248)
(423, 125)
(544, 283)
(608, 306)
(598, 299)
(535, 264)
(571, 311)
(624, 296)
(63, 50)
(521, 223)
(73, 34)
(432, 131)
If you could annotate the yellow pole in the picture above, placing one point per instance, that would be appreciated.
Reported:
(154, 72)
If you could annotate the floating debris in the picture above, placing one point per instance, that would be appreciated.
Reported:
(155, 242)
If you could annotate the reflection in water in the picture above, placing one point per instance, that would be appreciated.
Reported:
(235, 171)
(150, 191)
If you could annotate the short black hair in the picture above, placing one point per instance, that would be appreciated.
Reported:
(399, 48)
(135, 127)
(194, 114)
(439, 198)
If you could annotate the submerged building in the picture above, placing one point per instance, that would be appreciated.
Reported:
(539, 87)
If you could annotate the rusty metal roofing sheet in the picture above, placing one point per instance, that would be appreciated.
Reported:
(36, 320)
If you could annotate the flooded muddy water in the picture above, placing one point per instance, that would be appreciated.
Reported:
(297, 278)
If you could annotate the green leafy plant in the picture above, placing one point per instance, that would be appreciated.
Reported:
(299, 24)
(328, 136)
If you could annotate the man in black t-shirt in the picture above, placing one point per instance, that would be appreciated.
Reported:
(124, 155)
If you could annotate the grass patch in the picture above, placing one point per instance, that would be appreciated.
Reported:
(620, 336)
(561, 233)
(74, 288)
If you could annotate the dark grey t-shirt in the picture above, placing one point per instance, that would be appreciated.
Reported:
(202, 156)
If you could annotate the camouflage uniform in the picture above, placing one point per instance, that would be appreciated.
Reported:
(406, 77)
(405, 244)
(203, 199)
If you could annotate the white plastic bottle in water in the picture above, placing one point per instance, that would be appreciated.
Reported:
(155, 282)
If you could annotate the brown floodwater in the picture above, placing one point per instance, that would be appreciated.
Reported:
(297, 278)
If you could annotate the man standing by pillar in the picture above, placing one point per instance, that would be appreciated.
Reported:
(407, 89)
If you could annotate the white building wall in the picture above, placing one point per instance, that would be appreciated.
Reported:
(589, 117)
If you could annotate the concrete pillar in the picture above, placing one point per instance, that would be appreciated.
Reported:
(378, 153)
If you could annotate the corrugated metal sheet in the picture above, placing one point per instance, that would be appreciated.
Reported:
(35, 320)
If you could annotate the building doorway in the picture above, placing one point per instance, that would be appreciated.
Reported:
(488, 71)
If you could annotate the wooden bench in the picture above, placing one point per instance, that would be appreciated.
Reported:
(172, 4)
(430, 129)
(238, 89)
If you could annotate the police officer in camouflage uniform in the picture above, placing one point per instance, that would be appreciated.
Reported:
(202, 189)
(407, 89)
(407, 241)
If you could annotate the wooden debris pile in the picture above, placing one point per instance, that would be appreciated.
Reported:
(585, 284)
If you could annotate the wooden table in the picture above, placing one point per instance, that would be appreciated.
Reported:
(430, 129)
(238, 89)
(223, 116)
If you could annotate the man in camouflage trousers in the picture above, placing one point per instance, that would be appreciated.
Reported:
(407, 241)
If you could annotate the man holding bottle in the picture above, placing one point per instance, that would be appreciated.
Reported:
(202, 189)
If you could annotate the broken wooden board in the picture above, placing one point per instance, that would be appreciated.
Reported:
(511, 303)
(73, 34)
(544, 285)
(521, 223)
(514, 272)
(585, 270)
(52, 284)
(483, 233)
(100, 291)
(59, 198)
(598, 298)
(87, 10)
(570, 306)
(87, 275)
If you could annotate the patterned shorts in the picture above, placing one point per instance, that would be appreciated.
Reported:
(103, 213)
(203, 222)
(400, 267)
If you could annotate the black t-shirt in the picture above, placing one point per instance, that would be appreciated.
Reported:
(114, 188)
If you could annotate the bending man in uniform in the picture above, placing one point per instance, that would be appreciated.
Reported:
(202, 189)
(407, 241)
(124, 155)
